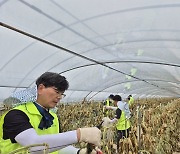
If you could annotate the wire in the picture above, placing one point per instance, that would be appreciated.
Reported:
(74, 53)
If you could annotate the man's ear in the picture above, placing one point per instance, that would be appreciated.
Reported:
(40, 88)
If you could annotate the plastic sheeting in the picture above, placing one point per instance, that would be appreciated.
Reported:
(102, 47)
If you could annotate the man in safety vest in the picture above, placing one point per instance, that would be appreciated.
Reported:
(34, 123)
(130, 100)
(107, 102)
(121, 119)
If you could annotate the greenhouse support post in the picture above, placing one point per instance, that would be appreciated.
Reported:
(139, 128)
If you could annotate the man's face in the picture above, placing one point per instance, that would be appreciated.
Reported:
(48, 97)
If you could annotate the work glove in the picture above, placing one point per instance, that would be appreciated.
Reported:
(106, 122)
(90, 135)
(84, 151)
(94, 151)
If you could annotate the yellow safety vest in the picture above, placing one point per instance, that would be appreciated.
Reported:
(35, 117)
(123, 123)
(105, 111)
(131, 101)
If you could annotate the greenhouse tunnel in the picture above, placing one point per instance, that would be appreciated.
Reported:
(101, 47)
(107, 50)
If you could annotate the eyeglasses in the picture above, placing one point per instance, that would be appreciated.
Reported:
(63, 95)
(58, 92)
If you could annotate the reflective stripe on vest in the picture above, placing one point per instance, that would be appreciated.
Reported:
(123, 123)
(35, 117)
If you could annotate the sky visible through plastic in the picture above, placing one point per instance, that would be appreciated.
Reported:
(102, 47)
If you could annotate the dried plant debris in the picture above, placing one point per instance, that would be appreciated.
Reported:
(155, 131)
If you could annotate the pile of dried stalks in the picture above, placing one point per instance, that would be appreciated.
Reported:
(159, 125)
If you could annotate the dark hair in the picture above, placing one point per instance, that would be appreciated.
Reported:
(50, 79)
(129, 97)
(111, 96)
(117, 98)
